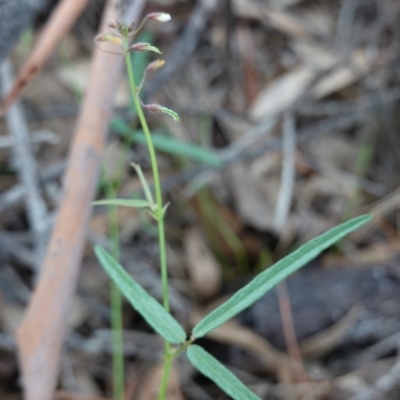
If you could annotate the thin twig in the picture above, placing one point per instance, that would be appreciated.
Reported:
(383, 385)
(42, 331)
(345, 177)
(15, 195)
(38, 137)
(26, 165)
(60, 23)
(253, 152)
(345, 24)
(10, 248)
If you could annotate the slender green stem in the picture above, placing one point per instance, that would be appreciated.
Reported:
(168, 360)
(116, 304)
(117, 340)
(159, 213)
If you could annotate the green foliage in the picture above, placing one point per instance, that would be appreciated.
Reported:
(214, 370)
(122, 202)
(147, 306)
(170, 330)
(151, 310)
(171, 113)
(167, 144)
(266, 280)
(145, 186)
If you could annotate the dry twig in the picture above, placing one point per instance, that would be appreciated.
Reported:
(41, 334)
(27, 167)
(62, 19)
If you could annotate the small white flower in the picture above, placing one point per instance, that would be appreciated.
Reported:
(160, 17)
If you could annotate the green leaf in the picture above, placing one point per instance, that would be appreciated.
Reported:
(154, 49)
(163, 142)
(145, 185)
(266, 280)
(123, 203)
(168, 144)
(214, 370)
(171, 113)
(147, 306)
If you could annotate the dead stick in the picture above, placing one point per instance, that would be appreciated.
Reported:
(41, 333)
(27, 168)
(60, 23)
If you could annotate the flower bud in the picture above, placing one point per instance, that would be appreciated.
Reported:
(155, 65)
(143, 47)
(155, 108)
(110, 38)
(159, 17)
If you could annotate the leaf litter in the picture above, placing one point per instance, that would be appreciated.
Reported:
(304, 55)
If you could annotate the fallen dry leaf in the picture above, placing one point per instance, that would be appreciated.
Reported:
(204, 271)
(281, 93)
(255, 189)
(285, 90)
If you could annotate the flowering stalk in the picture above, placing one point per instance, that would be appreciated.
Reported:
(120, 34)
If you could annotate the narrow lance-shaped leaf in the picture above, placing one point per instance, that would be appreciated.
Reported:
(266, 280)
(144, 183)
(123, 202)
(171, 113)
(214, 370)
(162, 142)
(147, 306)
(157, 108)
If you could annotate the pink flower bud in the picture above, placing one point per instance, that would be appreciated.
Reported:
(155, 108)
(159, 17)
(143, 47)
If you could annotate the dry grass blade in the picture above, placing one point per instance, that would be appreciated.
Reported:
(41, 333)
(60, 23)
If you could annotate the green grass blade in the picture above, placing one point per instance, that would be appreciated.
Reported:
(148, 307)
(169, 145)
(266, 280)
(123, 203)
(144, 183)
(214, 370)
(182, 149)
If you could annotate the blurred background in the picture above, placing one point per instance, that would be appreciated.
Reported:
(289, 126)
